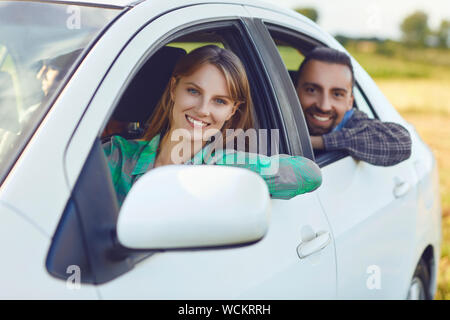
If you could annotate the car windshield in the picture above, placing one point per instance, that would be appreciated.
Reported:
(39, 46)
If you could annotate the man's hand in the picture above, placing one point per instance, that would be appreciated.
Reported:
(317, 142)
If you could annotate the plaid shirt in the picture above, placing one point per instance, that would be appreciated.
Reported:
(286, 176)
(371, 140)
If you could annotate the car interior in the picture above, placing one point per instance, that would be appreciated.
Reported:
(137, 103)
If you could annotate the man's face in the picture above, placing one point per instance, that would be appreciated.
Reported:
(325, 93)
(47, 76)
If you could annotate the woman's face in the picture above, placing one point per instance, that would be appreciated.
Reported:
(202, 102)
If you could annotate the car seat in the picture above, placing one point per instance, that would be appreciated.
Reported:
(143, 93)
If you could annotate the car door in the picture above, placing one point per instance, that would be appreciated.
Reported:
(372, 210)
(268, 269)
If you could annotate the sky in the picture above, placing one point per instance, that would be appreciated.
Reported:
(368, 18)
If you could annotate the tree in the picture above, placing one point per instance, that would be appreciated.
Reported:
(415, 28)
(443, 34)
(311, 13)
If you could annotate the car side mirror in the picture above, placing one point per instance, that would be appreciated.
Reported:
(180, 206)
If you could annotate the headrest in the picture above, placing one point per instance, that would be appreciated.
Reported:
(145, 90)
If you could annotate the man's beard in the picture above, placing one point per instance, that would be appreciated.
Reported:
(317, 130)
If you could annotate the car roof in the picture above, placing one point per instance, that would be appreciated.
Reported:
(132, 3)
(110, 3)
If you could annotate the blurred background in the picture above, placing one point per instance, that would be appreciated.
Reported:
(405, 47)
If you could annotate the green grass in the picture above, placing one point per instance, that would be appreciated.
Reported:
(403, 63)
(291, 57)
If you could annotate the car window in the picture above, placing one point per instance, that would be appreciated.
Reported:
(125, 122)
(291, 56)
(131, 119)
(39, 43)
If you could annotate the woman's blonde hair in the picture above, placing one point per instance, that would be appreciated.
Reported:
(236, 78)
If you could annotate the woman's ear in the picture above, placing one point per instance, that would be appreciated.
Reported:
(172, 87)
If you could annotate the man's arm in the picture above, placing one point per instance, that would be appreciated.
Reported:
(317, 142)
(371, 140)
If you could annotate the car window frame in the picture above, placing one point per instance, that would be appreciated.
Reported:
(287, 98)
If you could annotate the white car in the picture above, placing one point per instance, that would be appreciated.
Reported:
(69, 69)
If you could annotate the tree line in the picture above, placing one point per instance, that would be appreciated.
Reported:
(415, 29)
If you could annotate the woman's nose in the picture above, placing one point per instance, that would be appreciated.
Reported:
(203, 108)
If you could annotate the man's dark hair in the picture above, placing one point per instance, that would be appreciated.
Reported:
(328, 55)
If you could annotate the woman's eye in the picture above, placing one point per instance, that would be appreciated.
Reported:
(221, 101)
(338, 94)
(192, 90)
(310, 89)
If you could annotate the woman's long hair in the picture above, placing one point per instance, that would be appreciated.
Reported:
(236, 78)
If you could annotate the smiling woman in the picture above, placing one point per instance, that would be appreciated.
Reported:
(207, 87)
(207, 101)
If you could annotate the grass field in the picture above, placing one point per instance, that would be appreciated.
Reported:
(417, 83)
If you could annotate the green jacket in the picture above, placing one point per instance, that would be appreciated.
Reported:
(286, 176)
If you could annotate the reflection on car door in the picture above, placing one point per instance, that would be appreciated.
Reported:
(268, 269)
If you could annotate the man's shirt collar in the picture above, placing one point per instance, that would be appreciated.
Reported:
(347, 117)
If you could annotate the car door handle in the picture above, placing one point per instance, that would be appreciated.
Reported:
(401, 188)
(320, 241)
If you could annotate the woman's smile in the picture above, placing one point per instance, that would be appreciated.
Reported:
(196, 123)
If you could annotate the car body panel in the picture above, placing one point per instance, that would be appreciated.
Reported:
(373, 229)
(268, 269)
(26, 261)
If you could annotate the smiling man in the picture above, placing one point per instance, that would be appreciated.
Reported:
(324, 85)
